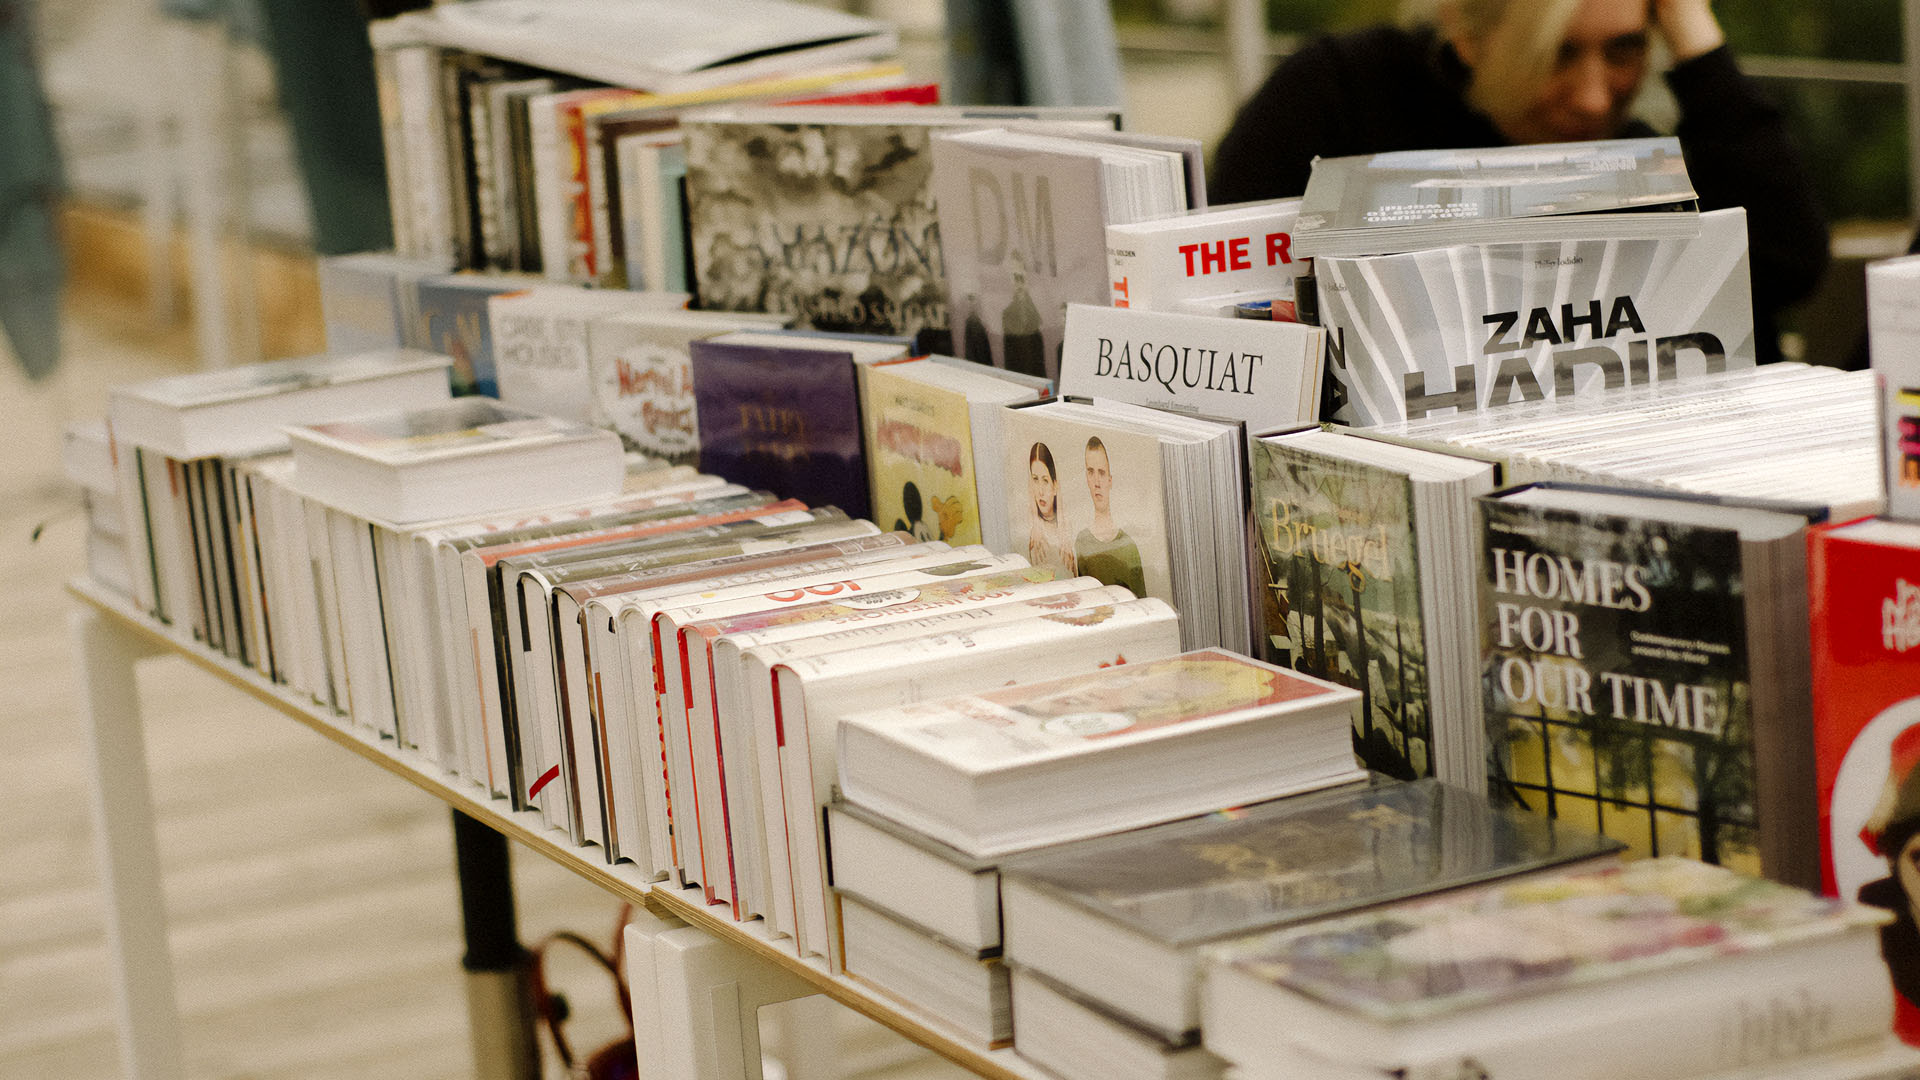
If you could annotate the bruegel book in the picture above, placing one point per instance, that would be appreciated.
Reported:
(1866, 725)
(1466, 328)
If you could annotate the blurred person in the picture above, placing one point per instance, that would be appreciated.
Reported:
(1469, 73)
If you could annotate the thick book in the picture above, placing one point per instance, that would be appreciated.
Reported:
(1074, 1038)
(1122, 919)
(1367, 579)
(1866, 730)
(1137, 744)
(1645, 667)
(783, 411)
(1480, 327)
(209, 413)
(953, 895)
(918, 968)
(1404, 200)
(1663, 969)
(1240, 248)
(1023, 220)
(470, 456)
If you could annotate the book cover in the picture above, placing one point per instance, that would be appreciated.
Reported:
(831, 223)
(1130, 702)
(1466, 328)
(1445, 955)
(1616, 668)
(1024, 235)
(1298, 859)
(920, 457)
(642, 372)
(1088, 499)
(1342, 594)
(783, 419)
(1376, 203)
(1893, 341)
(1866, 725)
(1246, 247)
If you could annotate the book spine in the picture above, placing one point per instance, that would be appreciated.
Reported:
(426, 167)
(393, 126)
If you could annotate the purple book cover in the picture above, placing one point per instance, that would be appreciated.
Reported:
(782, 420)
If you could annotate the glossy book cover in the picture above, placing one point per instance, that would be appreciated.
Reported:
(1537, 935)
(1256, 867)
(920, 447)
(786, 420)
(1342, 596)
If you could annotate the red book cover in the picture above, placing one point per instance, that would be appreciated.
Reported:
(1865, 601)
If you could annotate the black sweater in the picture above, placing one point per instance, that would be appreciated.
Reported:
(1387, 88)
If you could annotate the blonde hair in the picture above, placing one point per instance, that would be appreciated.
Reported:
(1516, 42)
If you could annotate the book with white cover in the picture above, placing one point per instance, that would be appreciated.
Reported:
(1008, 770)
(1465, 328)
(1154, 265)
(920, 879)
(1262, 372)
(1372, 204)
(1075, 1039)
(659, 45)
(916, 967)
(540, 352)
(470, 456)
(243, 408)
(813, 693)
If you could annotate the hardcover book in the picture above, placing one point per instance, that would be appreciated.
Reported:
(452, 310)
(783, 412)
(1644, 660)
(1148, 899)
(1617, 189)
(1662, 968)
(1365, 563)
(1866, 731)
(1466, 328)
(1242, 248)
(540, 345)
(920, 455)
(642, 370)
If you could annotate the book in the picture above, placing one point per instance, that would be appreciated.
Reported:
(913, 966)
(208, 413)
(1660, 968)
(1366, 572)
(1144, 498)
(1121, 920)
(471, 456)
(1243, 247)
(1892, 337)
(452, 312)
(935, 437)
(1610, 189)
(1465, 328)
(366, 300)
(1008, 770)
(1023, 221)
(658, 45)
(641, 366)
(813, 693)
(1266, 374)
(1075, 1039)
(1866, 699)
(1645, 667)
(783, 411)
(541, 354)
(955, 897)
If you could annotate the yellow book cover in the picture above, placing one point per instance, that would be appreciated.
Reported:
(919, 457)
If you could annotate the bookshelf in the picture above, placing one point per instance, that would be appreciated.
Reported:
(112, 636)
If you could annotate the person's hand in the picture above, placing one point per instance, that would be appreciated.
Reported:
(1688, 27)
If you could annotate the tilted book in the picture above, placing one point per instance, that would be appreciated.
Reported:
(1662, 968)
(1242, 248)
(1145, 901)
(1619, 189)
(1466, 328)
